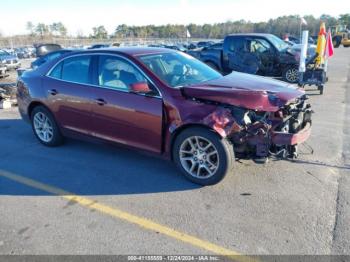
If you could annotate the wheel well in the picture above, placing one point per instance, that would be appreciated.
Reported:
(182, 128)
(32, 106)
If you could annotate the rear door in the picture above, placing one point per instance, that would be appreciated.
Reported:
(120, 115)
(70, 93)
(239, 58)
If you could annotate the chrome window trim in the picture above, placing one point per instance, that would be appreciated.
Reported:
(89, 84)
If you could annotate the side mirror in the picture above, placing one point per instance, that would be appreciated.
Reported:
(140, 88)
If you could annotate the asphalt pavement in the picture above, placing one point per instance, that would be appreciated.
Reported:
(84, 198)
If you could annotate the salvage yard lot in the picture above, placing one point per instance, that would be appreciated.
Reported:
(282, 207)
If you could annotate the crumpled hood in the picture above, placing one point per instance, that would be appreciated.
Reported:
(247, 91)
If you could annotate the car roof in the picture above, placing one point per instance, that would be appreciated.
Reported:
(250, 34)
(131, 51)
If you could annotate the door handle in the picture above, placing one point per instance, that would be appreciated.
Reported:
(100, 101)
(52, 92)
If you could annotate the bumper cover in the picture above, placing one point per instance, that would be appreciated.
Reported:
(280, 138)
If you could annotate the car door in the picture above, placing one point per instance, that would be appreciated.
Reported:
(70, 93)
(266, 54)
(240, 58)
(120, 115)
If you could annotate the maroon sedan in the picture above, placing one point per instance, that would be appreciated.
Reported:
(165, 102)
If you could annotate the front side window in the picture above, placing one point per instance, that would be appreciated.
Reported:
(73, 69)
(178, 69)
(260, 46)
(117, 73)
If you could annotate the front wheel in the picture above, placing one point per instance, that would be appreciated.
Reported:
(203, 156)
(291, 74)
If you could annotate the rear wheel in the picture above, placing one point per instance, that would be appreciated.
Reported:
(202, 156)
(45, 127)
(321, 89)
(336, 41)
(291, 74)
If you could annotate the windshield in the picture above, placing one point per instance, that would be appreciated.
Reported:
(179, 69)
(278, 43)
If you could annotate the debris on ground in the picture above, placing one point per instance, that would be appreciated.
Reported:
(8, 95)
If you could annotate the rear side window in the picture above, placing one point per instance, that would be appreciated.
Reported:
(57, 71)
(237, 44)
(75, 69)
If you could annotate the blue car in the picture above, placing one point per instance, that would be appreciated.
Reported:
(10, 61)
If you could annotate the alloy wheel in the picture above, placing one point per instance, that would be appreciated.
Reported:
(199, 157)
(292, 75)
(43, 127)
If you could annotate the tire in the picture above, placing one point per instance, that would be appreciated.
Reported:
(212, 65)
(336, 41)
(218, 159)
(336, 44)
(53, 135)
(321, 88)
(291, 74)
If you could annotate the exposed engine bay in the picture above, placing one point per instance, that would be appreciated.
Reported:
(262, 134)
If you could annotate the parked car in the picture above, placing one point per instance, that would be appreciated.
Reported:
(96, 46)
(49, 57)
(260, 54)
(207, 51)
(43, 49)
(3, 69)
(165, 102)
(190, 46)
(202, 44)
(176, 47)
(156, 45)
(297, 40)
(22, 53)
(10, 61)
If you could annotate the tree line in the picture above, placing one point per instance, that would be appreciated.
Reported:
(278, 26)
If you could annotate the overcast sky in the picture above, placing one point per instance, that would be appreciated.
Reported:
(82, 15)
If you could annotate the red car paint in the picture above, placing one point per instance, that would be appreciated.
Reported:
(152, 123)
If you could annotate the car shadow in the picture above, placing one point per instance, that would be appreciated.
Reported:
(81, 167)
(319, 163)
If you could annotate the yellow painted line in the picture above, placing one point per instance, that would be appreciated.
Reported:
(117, 213)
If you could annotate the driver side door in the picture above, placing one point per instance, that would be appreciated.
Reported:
(266, 55)
(240, 58)
(120, 115)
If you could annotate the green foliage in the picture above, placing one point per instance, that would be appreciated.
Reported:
(42, 29)
(99, 32)
(278, 26)
(345, 19)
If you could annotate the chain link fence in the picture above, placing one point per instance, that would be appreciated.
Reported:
(21, 41)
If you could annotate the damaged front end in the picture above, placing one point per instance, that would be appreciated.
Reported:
(261, 134)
